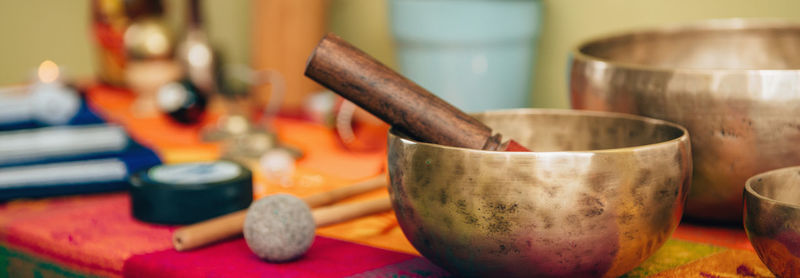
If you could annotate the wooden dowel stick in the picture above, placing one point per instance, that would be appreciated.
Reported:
(229, 225)
(335, 195)
(209, 231)
(340, 213)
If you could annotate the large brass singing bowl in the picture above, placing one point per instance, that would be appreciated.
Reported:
(772, 219)
(600, 194)
(734, 84)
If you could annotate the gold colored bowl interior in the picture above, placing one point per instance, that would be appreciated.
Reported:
(560, 130)
(727, 44)
(781, 186)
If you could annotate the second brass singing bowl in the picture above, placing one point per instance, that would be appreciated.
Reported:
(734, 84)
(600, 193)
(772, 219)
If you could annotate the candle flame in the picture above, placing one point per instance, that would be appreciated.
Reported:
(48, 71)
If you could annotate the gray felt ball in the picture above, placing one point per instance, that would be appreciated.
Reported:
(279, 227)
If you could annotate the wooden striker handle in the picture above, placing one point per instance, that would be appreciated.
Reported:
(345, 212)
(396, 100)
(330, 197)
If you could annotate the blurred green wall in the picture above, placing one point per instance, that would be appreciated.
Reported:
(31, 31)
(34, 30)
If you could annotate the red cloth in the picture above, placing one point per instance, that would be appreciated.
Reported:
(326, 258)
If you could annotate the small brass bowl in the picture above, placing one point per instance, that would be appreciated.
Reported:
(734, 84)
(772, 219)
(600, 194)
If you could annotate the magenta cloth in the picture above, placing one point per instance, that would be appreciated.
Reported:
(326, 258)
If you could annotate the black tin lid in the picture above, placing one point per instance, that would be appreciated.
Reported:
(185, 193)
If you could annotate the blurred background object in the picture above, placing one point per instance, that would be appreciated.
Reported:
(182, 101)
(362, 22)
(52, 143)
(195, 53)
(358, 130)
(476, 55)
(108, 25)
(46, 101)
(148, 47)
(284, 33)
(146, 36)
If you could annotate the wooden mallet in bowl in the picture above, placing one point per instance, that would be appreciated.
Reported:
(396, 100)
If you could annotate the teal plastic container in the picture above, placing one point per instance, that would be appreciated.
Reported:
(476, 54)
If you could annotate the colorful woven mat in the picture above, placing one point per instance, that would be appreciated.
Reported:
(95, 235)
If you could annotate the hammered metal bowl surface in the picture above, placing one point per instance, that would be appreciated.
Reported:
(600, 193)
(772, 219)
(734, 84)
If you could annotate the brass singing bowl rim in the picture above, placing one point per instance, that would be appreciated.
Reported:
(728, 24)
(751, 191)
(567, 112)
